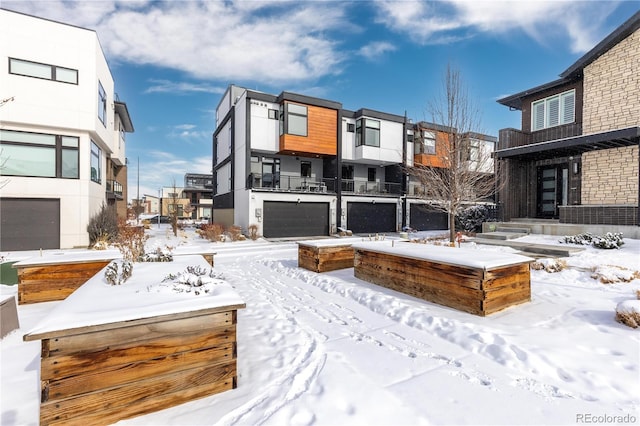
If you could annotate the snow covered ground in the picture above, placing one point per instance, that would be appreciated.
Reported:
(331, 349)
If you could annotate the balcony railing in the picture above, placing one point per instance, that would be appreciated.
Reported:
(114, 189)
(278, 182)
(511, 138)
(355, 186)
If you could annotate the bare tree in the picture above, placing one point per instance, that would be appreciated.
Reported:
(174, 198)
(465, 170)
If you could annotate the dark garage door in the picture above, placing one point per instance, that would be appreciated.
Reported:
(286, 219)
(423, 218)
(29, 224)
(366, 218)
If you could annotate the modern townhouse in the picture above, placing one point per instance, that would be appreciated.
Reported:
(297, 166)
(576, 160)
(62, 134)
(197, 189)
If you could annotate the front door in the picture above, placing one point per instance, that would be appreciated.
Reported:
(552, 190)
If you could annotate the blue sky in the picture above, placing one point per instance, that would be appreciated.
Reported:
(172, 61)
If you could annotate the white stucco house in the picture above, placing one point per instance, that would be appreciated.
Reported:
(62, 134)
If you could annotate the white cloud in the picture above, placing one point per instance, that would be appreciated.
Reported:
(375, 50)
(448, 21)
(229, 40)
(181, 87)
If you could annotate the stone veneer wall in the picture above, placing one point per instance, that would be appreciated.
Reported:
(611, 102)
(610, 176)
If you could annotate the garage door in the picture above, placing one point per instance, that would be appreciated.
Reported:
(366, 218)
(286, 219)
(29, 224)
(423, 218)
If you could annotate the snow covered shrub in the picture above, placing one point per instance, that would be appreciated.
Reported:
(628, 313)
(253, 232)
(130, 241)
(471, 218)
(611, 240)
(610, 274)
(549, 265)
(158, 256)
(113, 275)
(211, 231)
(103, 226)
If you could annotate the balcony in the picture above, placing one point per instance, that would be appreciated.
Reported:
(511, 138)
(114, 190)
(278, 182)
(364, 187)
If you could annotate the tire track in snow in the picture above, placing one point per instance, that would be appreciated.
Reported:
(303, 370)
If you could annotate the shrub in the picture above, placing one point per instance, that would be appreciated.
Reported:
(253, 232)
(471, 218)
(549, 265)
(130, 241)
(235, 233)
(103, 226)
(212, 231)
(611, 240)
(628, 313)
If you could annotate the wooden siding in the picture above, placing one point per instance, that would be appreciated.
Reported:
(322, 134)
(468, 289)
(47, 283)
(104, 374)
(325, 258)
(437, 159)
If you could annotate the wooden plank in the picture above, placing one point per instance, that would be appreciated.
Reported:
(55, 367)
(127, 400)
(464, 276)
(85, 382)
(514, 287)
(26, 295)
(494, 305)
(105, 417)
(120, 324)
(502, 276)
(61, 269)
(136, 333)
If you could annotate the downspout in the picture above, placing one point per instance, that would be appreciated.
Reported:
(638, 212)
(403, 187)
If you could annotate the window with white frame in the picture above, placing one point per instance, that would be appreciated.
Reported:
(96, 161)
(553, 111)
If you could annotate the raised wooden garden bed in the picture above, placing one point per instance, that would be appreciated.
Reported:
(115, 352)
(325, 255)
(56, 276)
(8, 315)
(473, 281)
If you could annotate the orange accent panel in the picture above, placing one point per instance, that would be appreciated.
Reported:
(322, 134)
(437, 159)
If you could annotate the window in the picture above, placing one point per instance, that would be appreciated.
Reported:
(102, 104)
(428, 143)
(371, 174)
(273, 114)
(305, 169)
(296, 120)
(44, 71)
(96, 161)
(351, 127)
(371, 134)
(39, 155)
(553, 111)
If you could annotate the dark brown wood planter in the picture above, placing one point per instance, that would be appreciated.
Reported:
(116, 352)
(472, 281)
